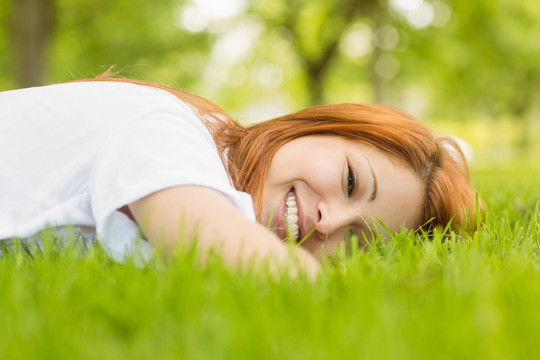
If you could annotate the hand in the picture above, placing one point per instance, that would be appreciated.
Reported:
(282, 257)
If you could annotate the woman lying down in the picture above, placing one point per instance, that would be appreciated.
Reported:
(130, 160)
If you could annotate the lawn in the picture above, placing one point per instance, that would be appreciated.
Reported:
(475, 297)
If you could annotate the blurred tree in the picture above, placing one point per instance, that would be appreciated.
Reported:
(32, 29)
(482, 61)
(139, 37)
(6, 80)
(314, 30)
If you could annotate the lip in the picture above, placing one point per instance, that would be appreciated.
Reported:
(280, 219)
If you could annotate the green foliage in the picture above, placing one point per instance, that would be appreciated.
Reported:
(138, 37)
(6, 81)
(474, 60)
(452, 297)
(479, 59)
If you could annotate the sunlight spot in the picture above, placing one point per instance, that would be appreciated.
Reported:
(387, 66)
(414, 101)
(197, 15)
(387, 37)
(418, 13)
(236, 43)
(406, 6)
(357, 42)
(270, 75)
(190, 18)
(442, 13)
(220, 9)
(422, 16)
(403, 43)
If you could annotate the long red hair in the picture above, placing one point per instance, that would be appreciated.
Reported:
(438, 161)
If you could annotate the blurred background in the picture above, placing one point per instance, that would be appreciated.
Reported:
(467, 68)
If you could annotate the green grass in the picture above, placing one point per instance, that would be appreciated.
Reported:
(464, 298)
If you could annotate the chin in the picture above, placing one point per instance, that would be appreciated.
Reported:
(314, 247)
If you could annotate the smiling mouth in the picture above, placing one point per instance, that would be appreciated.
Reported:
(291, 217)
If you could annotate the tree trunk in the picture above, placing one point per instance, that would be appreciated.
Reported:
(32, 30)
(316, 84)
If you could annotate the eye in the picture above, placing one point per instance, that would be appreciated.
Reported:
(351, 181)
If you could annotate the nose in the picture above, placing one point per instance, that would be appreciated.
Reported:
(333, 219)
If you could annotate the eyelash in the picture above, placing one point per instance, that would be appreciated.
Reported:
(351, 181)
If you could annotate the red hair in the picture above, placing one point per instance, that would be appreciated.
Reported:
(438, 161)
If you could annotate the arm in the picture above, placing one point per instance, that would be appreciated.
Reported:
(184, 212)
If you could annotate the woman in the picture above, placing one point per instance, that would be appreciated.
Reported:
(124, 156)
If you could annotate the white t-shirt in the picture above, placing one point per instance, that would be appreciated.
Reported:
(75, 153)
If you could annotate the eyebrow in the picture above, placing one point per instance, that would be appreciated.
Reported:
(375, 187)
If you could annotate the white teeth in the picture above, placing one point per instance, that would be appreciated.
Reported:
(292, 211)
(291, 217)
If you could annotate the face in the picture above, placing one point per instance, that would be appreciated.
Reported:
(332, 187)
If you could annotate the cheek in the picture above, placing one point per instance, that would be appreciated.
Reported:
(280, 166)
(403, 204)
(289, 159)
(283, 172)
(267, 202)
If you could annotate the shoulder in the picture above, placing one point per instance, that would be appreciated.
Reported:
(114, 89)
(97, 94)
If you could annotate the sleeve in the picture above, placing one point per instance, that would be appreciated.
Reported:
(164, 147)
